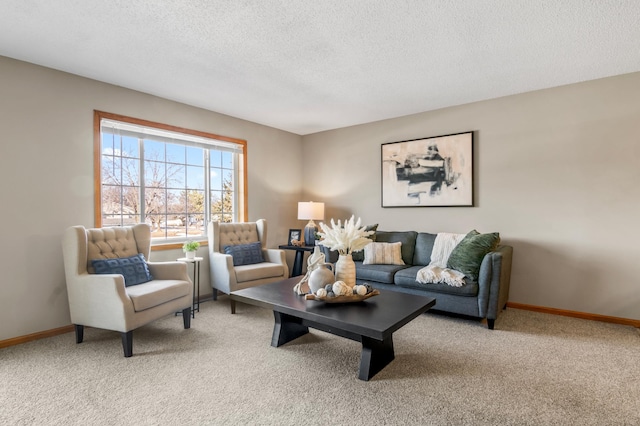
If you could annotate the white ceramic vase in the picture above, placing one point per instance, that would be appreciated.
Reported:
(190, 254)
(321, 276)
(346, 270)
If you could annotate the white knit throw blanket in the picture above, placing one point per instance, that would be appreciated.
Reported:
(437, 272)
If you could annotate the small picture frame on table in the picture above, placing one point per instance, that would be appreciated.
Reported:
(294, 234)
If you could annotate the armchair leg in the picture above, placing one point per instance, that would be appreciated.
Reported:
(79, 332)
(490, 323)
(233, 306)
(215, 294)
(127, 343)
(186, 318)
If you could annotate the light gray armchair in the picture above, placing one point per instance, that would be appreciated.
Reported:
(224, 275)
(103, 300)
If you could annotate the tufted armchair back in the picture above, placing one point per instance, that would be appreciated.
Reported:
(110, 243)
(85, 245)
(229, 234)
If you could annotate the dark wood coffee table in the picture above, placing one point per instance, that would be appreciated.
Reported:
(371, 322)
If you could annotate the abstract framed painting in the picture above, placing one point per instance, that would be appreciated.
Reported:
(429, 172)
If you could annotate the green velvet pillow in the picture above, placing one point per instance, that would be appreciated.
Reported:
(467, 256)
(359, 255)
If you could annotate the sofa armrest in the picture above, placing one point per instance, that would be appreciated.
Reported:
(222, 274)
(494, 281)
(169, 271)
(99, 300)
(273, 255)
(276, 256)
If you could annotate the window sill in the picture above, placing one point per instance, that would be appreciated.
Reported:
(173, 246)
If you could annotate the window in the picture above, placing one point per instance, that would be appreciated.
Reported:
(173, 179)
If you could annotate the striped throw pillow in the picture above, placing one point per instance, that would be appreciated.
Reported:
(383, 254)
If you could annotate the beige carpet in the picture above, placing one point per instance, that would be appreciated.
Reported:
(534, 369)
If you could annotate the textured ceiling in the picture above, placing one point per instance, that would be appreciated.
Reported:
(308, 66)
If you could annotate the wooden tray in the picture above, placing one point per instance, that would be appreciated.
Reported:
(342, 299)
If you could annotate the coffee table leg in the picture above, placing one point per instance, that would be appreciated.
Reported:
(375, 356)
(286, 329)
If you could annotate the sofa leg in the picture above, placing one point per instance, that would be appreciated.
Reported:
(215, 294)
(127, 343)
(186, 317)
(233, 306)
(490, 323)
(79, 332)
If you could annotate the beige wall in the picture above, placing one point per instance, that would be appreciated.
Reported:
(557, 173)
(46, 180)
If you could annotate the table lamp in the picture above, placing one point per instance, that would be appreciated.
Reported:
(310, 211)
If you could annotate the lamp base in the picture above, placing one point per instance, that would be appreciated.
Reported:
(310, 235)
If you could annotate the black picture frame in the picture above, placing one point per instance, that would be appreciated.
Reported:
(294, 234)
(428, 172)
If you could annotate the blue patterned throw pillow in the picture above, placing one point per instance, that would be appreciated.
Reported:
(245, 254)
(134, 269)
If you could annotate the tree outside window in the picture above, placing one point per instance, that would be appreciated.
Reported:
(163, 178)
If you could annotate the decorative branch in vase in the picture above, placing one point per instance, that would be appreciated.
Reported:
(345, 239)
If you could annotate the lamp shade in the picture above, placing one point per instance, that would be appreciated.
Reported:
(310, 211)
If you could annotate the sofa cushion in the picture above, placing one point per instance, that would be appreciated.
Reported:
(134, 269)
(407, 278)
(359, 255)
(245, 254)
(157, 292)
(407, 238)
(376, 273)
(383, 254)
(467, 256)
(424, 247)
(258, 271)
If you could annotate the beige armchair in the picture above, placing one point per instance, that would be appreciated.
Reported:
(224, 275)
(103, 300)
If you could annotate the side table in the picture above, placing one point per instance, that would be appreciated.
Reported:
(297, 262)
(196, 282)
